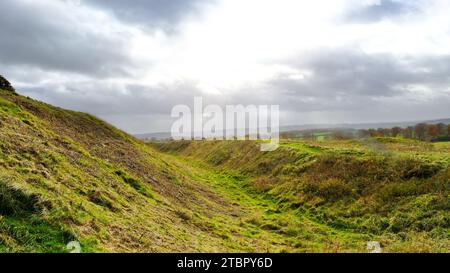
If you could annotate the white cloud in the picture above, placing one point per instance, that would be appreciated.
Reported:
(320, 60)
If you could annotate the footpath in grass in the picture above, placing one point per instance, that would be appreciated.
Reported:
(260, 218)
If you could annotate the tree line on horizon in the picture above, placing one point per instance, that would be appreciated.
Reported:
(421, 131)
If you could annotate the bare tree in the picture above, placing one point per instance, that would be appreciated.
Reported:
(421, 131)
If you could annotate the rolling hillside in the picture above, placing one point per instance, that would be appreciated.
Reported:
(68, 176)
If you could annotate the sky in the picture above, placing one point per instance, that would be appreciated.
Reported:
(130, 62)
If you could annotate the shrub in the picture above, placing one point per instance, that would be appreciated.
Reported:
(6, 85)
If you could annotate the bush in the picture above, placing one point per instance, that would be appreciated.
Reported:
(6, 85)
(441, 139)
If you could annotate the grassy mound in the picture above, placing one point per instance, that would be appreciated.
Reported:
(66, 175)
(377, 188)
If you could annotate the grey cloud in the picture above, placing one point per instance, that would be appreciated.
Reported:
(52, 55)
(49, 37)
(345, 86)
(386, 9)
(114, 99)
(347, 73)
(151, 14)
(368, 84)
(134, 108)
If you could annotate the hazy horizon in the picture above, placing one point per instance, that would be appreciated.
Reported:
(323, 62)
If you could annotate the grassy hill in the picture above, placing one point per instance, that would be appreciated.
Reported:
(68, 176)
(391, 190)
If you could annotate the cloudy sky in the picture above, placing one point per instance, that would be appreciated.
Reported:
(130, 62)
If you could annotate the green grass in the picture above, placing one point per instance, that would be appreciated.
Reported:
(112, 192)
(66, 176)
(262, 216)
(32, 234)
(396, 192)
(135, 183)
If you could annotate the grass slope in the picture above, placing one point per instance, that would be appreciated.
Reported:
(67, 176)
(391, 190)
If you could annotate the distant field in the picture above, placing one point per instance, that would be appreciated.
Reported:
(439, 151)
